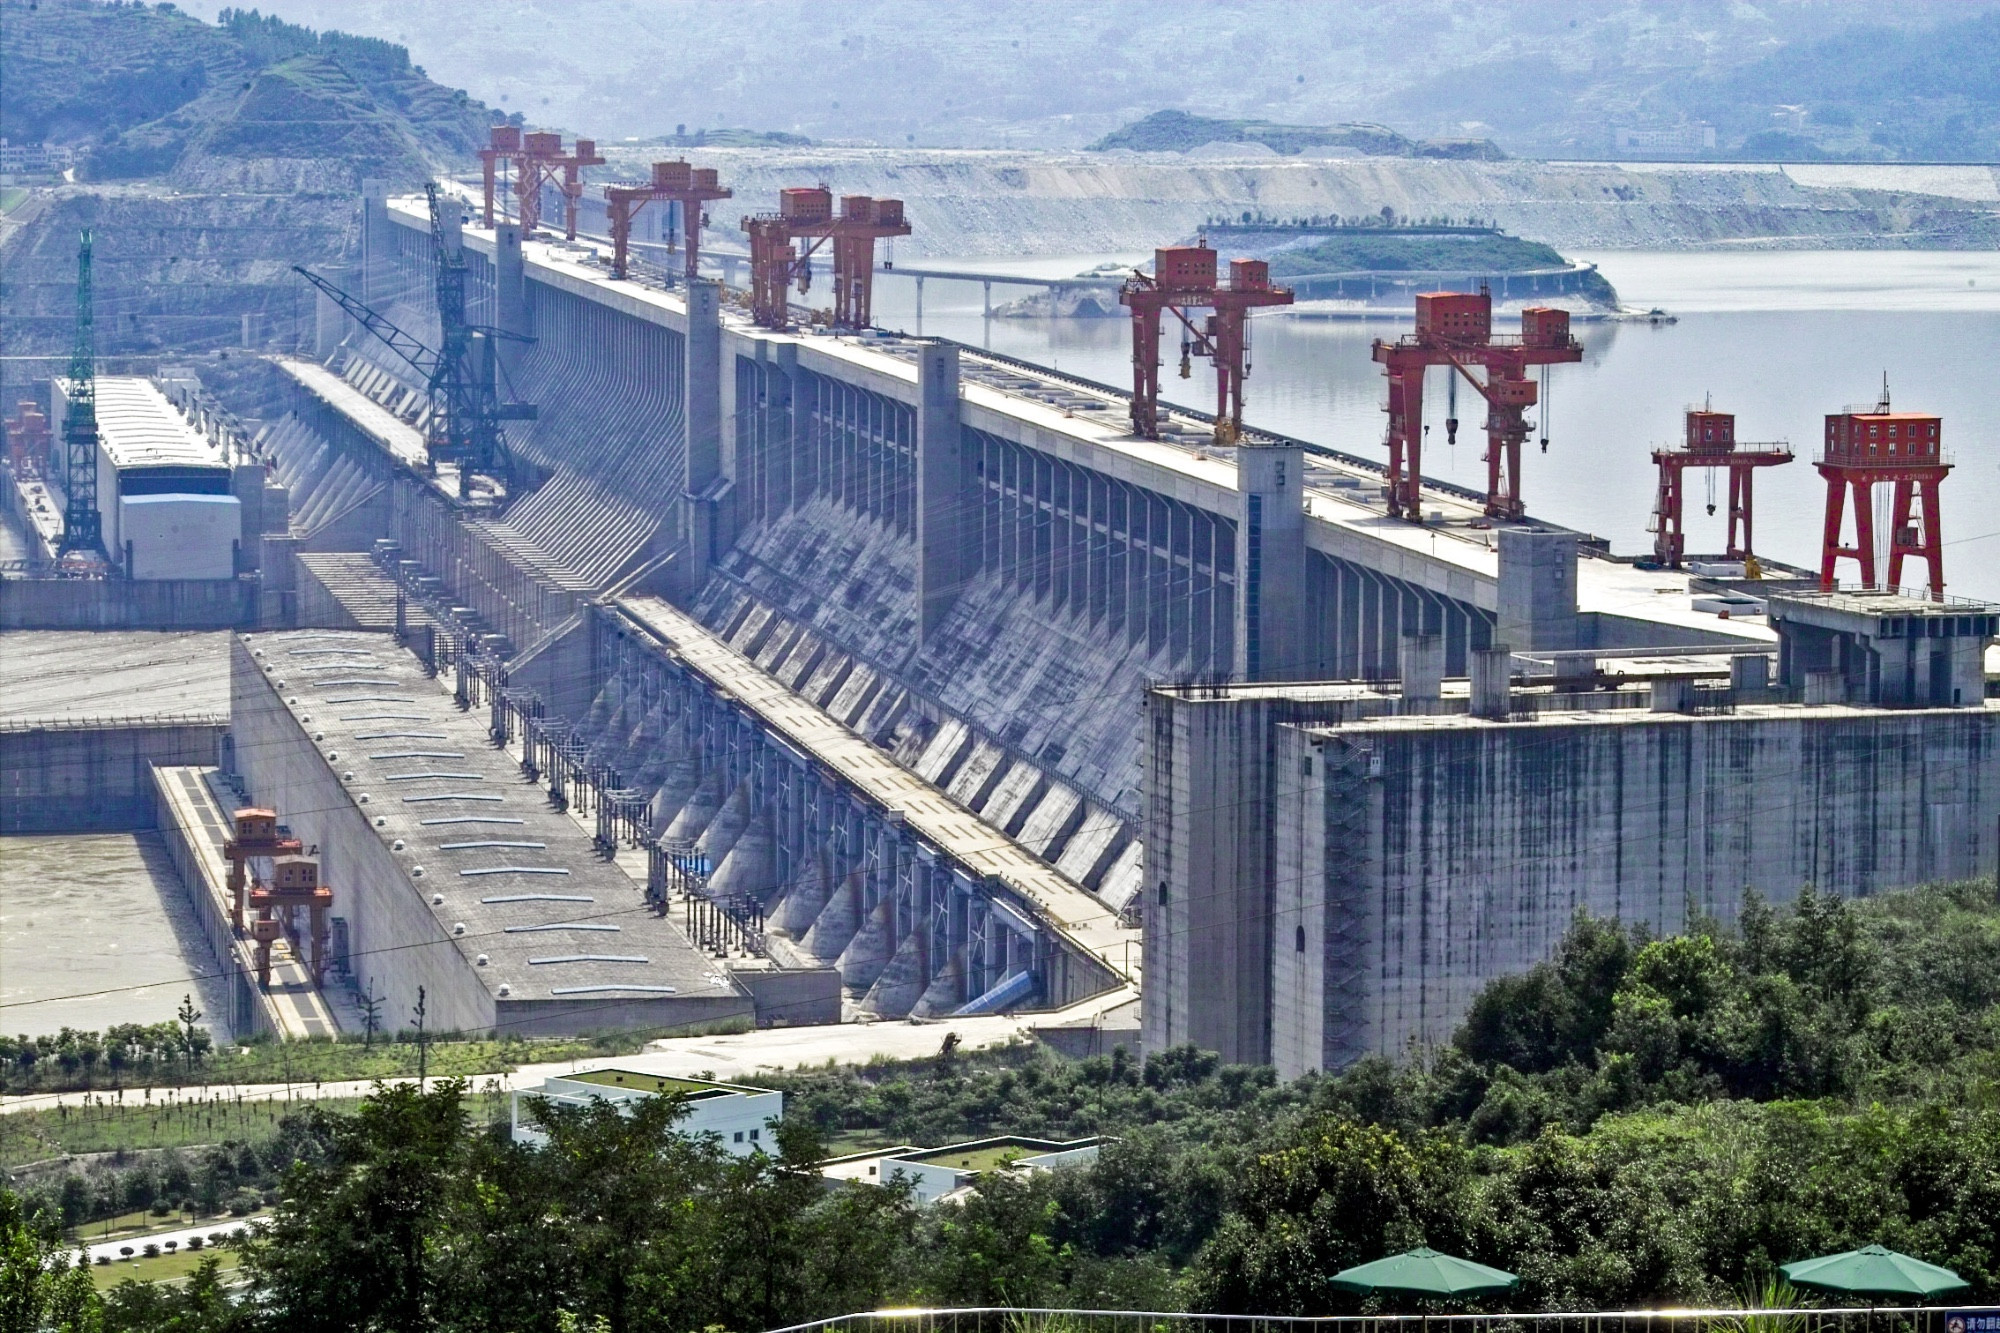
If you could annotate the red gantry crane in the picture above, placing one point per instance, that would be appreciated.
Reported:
(538, 160)
(776, 262)
(1710, 443)
(673, 183)
(1455, 329)
(1184, 279)
(503, 149)
(1902, 448)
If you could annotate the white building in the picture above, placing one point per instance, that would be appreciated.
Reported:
(741, 1117)
(935, 1173)
(163, 488)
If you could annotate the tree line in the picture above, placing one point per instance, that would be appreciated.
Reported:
(1639, 1121)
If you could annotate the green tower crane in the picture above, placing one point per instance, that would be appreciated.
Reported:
(83, 527)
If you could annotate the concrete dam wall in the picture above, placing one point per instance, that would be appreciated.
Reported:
(948, 578)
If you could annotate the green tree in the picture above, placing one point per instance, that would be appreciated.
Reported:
(349, 1249)
(1337, 1195)
(41, 1289)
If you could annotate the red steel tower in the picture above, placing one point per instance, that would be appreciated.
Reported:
(1710, 443)
(1455, 329)
(503, 146)
(1184, 279)
(540, 161)
(807, 214)
(1864, 447)
(673, 183)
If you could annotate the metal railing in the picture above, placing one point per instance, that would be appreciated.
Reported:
(1857, 1319)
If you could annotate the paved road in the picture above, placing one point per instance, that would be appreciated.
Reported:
(735, 1056)
(232, 1226)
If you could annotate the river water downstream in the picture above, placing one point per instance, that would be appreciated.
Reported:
(1778, 337)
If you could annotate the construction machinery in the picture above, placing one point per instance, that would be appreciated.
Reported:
(1709, 444)
(1455, 330)
(1184, 279)
(28, 439)
(464, 424)
(777, 263)
(538, 161)
(1903, 449)
(258, 834)
(674, 184)
(81, 550)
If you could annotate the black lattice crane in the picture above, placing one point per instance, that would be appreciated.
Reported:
(462, 377)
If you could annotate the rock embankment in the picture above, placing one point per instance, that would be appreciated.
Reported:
(971, 202)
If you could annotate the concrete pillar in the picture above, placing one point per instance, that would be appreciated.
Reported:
(1422, 667)
(943, 561)
(510, 299)
(329, 321)
(1491, 681)
(1673, 695)
(1749, 674)
(1272, 642)
(703, 411)
(1537, 592)
(377, 245)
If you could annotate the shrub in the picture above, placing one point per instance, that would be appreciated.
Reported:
(172, 1245)
(195, 1242)
(125, 1251)
(104, 1259)
(161, 1207)
(151, 1251)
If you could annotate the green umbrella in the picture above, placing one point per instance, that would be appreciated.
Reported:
(1427, 1272)
(1873, 1271)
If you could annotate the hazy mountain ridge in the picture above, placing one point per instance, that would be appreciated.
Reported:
(1554, 78)
(253, 103)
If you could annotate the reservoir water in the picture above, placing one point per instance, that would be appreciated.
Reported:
(95, 929)
(1778, 337)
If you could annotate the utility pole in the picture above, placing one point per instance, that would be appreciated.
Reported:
(371, 1003)
(423, 1043)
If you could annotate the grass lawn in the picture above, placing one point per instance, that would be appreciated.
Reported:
(167, 1268)
(11, 197)
(36, 1136)
(333, 1062)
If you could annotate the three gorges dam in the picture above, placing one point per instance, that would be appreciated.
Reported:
(795, 671)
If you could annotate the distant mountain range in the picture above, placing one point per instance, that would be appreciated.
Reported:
(1775, 79)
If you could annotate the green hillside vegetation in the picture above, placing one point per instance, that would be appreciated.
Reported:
(1179, 131)
(1638, 1122)
(1388, 250)
(151, 91)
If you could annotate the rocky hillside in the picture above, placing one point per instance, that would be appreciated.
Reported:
(220, 155)
(964, 203)
(250, 102)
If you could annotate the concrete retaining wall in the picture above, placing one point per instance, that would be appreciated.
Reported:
(127, 603)
(396, 944)
(75, 779)
(1415, 862)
